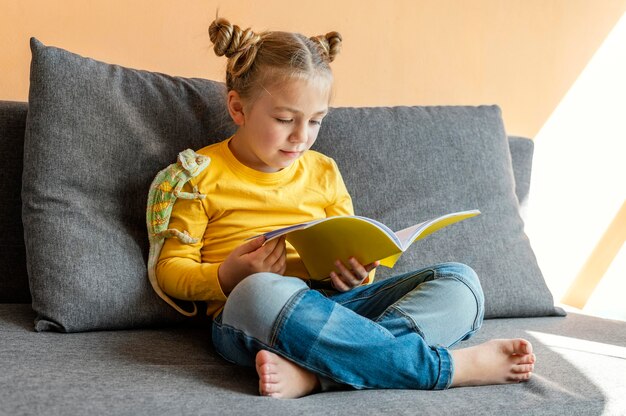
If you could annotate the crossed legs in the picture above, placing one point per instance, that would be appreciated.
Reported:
(399, 325)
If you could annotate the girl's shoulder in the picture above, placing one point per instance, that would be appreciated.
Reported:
(218, 152)
(323, 168)
(210, 150)
(319, 159)
(215, 153)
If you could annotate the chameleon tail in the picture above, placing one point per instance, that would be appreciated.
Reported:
(152, 259)
(183, 236)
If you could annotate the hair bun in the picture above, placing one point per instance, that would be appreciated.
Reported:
(229, 39)
(330, 44)
(240, 46)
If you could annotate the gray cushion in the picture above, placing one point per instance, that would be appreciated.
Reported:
(96, 136)
(409, 164)
(98, 133)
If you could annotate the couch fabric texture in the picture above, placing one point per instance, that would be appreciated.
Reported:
(80, 157)
(580, 371)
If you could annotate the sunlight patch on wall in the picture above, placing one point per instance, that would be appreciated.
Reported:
(579, 172)
(608, 299)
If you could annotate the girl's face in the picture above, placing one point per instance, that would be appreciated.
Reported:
(280, 125)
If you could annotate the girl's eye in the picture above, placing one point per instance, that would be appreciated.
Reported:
(288, 121)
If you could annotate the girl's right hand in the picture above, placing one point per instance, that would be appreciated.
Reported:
(252, 257)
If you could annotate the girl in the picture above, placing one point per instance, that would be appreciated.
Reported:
(395, 333)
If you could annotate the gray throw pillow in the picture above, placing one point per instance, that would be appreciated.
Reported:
(403, 165)
(96, 136)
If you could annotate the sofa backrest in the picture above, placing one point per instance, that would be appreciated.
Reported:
(14, 287)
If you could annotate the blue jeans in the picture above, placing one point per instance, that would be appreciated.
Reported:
(394, 333)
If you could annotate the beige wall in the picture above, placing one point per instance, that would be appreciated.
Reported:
(520, 54)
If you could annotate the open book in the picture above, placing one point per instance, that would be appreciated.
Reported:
(321, 242)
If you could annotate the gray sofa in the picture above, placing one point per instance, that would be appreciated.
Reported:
(81, 331)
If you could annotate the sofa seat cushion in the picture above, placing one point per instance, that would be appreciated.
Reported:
(580, 368)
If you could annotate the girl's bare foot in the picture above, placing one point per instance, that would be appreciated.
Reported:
(497, 361)
(281, 378)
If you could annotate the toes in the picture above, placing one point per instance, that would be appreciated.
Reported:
(264, 363)
(268, 376)
(265, 369)
(262, 357)
(526, 359)
(519, 378)
(517, 346)
(524, 346)
(523, 368)
(269, 388)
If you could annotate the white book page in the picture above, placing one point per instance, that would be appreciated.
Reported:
(406, 235)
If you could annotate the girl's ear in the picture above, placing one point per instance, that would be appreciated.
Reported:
(235, 108)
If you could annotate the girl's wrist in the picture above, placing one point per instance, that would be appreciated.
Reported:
(225, 279)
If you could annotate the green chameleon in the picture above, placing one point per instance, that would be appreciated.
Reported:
(164, 190)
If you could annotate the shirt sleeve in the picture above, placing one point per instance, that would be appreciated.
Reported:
(180, 271)
(342, 202)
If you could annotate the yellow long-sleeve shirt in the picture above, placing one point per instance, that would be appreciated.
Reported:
(242, 202)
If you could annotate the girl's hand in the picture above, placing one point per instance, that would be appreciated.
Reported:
(349, 278)
(252, 257)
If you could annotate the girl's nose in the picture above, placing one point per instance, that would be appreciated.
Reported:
(299, 134)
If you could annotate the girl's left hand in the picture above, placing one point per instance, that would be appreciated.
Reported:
(349, 278)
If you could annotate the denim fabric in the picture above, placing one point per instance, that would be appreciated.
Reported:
(391, 334)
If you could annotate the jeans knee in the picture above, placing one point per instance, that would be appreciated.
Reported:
(469, 278)
(253, 285)
(462, 272)
(260, 289)
(255, 303)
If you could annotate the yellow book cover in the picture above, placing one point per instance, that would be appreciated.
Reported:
(321, 242)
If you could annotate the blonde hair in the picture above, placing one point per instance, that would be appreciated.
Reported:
(257, 60)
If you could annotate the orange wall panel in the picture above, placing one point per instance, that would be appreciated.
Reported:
(520, 54)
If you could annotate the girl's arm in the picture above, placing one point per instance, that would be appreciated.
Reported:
(180, 271)
(341, 202)
(182, 274)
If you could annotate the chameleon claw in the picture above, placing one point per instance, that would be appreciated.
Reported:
(197, 194)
